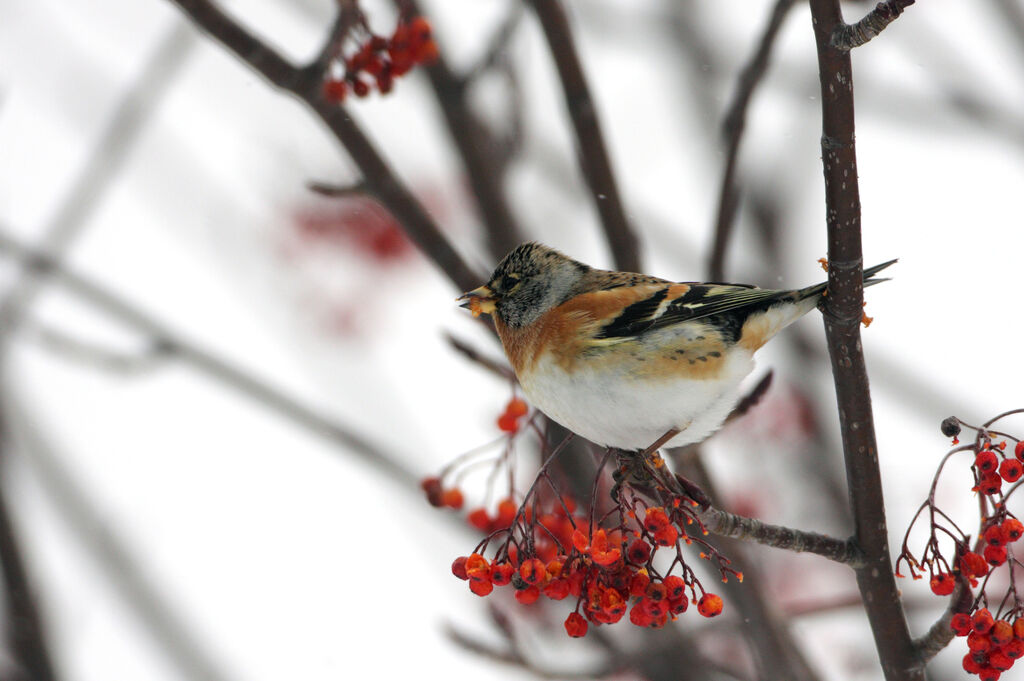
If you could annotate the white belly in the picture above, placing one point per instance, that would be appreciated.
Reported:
(629, 413)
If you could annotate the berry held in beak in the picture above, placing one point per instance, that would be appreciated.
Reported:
(479, 300)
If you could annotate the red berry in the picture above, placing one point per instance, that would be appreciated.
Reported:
(666, 536)
(999, 660)
(989, 674)
(533, 571)
(479, 519)
(1014, 649)
(990, 484)
(1011, 470)
(994, 535)
(971, 666)
(1002, 632)
(528, 595)
(557, 589)
(501, 574)
(675, 587)
(1013, 530)
(432, 488)
(973, 565)
(459, 567)
(638, 584)
(516, 407)
(452, 498)
(508, 423)
(709, 605)
(656, 592)
(986, 461)
(1018, 628)
(983, 621)
(942, 584)
(995, 555)
(360, 88)
(576, 625)
(419, 29)
(978, 643)
(335, 90)
(639, 616)
(638, 552)
(960, 624)
(1018, 451)
(481, 587)
(655, 519)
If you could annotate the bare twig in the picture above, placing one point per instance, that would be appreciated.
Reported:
(842, 314)
(497, 46)
(306, 84)
(733, 128)
(336, 190)
(210, 364)
(497, 368)
(594, 160)
(475, 145)
(848, 36)
(93, 353)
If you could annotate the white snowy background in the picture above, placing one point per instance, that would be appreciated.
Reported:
(279, 554)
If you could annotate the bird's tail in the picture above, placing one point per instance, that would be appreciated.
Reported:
(869, 280)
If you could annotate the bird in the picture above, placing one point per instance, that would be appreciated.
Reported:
(623, 358)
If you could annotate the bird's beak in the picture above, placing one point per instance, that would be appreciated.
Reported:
(479, 300)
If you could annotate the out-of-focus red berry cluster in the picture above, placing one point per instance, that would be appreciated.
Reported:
(379, 60)
(994, 642)
(544, 546)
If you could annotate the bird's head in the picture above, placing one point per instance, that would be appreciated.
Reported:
(528, 282)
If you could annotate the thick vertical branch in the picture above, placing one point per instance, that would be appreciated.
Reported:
(597, 167)
(24, 627)
(843, 310)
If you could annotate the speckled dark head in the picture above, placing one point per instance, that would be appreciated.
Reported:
(531, 280)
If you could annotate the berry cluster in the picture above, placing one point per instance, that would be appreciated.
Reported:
(994, 642)
(543, 545)
(378, 60)
(608, 572)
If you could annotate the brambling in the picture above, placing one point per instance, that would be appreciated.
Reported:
(622, 358)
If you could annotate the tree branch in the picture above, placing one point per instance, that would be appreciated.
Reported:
(209, 363)
(842, 315)
(733, 127)
(596, 165)
(306, 84)
(725, 524)
(475, 145)
(848, 36)
(939, 634)
(23, 626)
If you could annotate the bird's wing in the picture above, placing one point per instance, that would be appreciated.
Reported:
(678, 303)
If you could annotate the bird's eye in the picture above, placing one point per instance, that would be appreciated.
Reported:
(509, 281)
